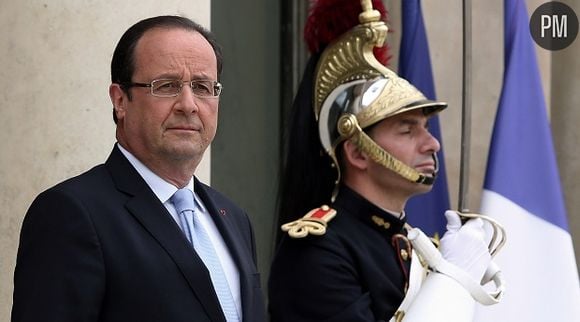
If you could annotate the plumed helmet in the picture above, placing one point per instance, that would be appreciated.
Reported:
(353, 91)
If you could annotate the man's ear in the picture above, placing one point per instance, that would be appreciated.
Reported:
(354, 156)
(119, 99)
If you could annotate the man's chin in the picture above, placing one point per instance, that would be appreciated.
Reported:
(424, 188)
(186, 151)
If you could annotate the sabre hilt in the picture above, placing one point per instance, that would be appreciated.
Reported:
(498, 238)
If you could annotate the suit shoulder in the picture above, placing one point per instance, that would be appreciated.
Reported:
(206, 191)
(223, 204)
(313, 223)
(84, 181)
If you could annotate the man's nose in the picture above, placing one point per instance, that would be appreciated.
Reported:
(187, 102)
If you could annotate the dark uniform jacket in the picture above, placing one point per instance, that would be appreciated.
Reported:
(356, 272)
(102, 247)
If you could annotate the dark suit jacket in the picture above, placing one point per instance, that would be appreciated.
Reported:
(102, 247)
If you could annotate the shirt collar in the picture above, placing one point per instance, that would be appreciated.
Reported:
(161, 188)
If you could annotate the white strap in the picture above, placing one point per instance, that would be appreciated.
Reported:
(416, 276)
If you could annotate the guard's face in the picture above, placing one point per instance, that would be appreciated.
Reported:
(169, 129)
(406, 136)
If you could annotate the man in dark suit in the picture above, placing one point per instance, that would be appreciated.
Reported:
(113, 244)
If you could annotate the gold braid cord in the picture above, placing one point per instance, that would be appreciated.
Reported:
(348, 127)
(382, 157)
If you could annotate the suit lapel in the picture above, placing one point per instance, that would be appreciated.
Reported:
(151, 213)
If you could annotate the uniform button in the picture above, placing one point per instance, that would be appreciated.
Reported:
(404, 254)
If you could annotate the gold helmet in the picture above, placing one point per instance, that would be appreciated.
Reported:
(353, 90)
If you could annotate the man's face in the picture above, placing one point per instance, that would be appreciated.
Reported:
(168, 129)
(407, 138)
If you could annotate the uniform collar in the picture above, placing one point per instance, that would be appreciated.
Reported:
(368, 212)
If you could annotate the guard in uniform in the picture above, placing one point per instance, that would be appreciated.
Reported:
(359, 149)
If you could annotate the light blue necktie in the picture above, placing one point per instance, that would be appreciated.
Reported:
(182, 199)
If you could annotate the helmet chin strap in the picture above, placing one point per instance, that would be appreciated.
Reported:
(348, 127)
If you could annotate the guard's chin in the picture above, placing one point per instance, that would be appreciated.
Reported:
(427, 187)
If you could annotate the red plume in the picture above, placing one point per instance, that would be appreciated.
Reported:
(328, 19)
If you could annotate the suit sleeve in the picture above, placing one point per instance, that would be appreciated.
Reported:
(252, 240)
(59, 273)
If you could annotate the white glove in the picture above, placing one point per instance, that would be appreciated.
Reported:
(465, 246)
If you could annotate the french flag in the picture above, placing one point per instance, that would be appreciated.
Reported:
(522, 191)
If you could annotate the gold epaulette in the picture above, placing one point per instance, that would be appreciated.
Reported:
(314, 222)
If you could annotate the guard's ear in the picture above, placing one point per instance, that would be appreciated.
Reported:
(354, 156)
(119, 99)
